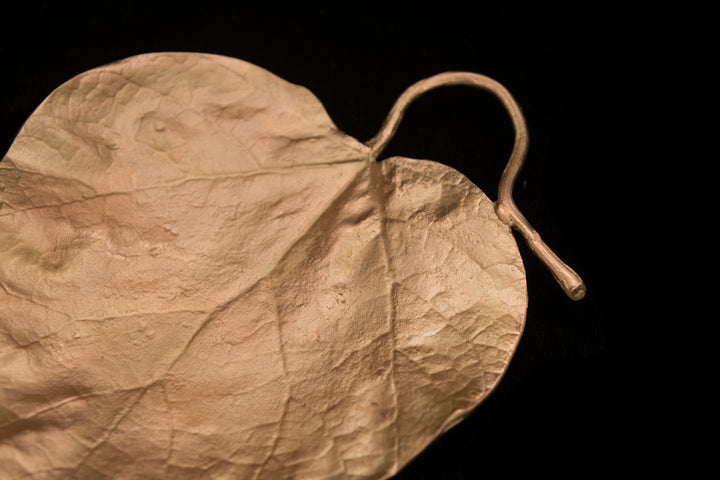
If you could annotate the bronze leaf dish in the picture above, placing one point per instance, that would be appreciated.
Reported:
(202, 277)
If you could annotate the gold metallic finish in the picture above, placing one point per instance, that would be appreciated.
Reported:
(202, 277)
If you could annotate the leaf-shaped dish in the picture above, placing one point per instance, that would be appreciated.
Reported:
(201, 277)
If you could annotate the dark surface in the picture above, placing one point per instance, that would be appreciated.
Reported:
(611, 93)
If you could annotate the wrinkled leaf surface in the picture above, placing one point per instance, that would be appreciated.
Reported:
(201, 277)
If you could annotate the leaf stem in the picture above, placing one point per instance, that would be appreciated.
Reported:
(505, 207)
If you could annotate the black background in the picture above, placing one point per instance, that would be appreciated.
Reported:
(613, 95)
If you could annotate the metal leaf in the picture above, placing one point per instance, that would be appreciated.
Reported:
(201, 277)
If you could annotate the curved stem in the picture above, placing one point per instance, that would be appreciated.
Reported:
(505, 207)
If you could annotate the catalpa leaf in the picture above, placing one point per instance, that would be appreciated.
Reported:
(202, 277)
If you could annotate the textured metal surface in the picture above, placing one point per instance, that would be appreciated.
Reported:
(203, 278)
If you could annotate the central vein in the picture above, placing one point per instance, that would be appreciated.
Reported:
(378, 195)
